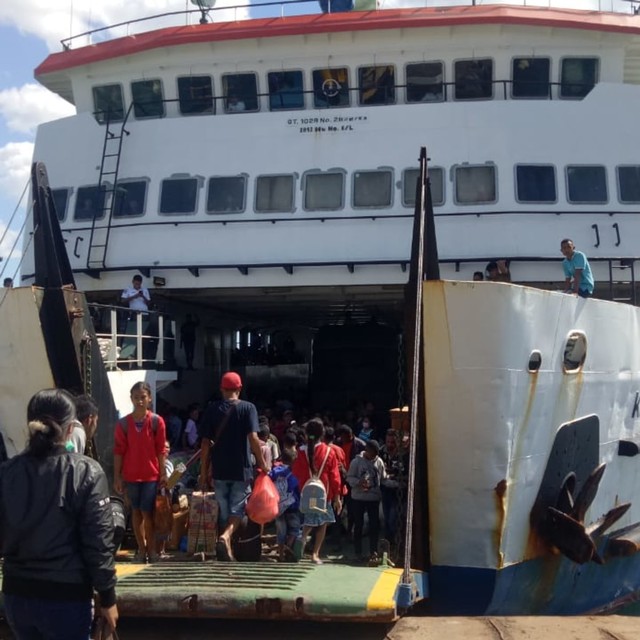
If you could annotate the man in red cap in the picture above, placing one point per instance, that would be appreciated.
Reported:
(229, 433)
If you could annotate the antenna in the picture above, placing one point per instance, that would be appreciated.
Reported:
(205, 6)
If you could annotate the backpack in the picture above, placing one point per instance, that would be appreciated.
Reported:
(281, 480)
(154, 423)
(313, 497)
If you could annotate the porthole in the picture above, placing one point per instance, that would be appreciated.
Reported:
(535, 361)
(575, 352)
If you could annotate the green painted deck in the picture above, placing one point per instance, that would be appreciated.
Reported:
(258, 590)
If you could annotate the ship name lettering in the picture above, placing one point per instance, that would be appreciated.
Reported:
(636, 406)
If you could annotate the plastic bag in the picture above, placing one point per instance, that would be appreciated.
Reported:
(163, 515)
(262, 506)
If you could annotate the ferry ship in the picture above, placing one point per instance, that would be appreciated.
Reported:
(261, 175)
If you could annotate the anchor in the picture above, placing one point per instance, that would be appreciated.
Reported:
(564, 525)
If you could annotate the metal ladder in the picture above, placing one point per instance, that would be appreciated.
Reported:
(626, 280)
(114, 134)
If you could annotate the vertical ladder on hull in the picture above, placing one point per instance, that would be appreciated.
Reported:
(114, 134)
(622, 280)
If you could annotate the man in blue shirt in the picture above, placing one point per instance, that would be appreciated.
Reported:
(578, 276)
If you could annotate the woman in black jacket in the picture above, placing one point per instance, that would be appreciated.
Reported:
(56, 528)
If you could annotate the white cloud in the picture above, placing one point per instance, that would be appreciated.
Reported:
(25, 107)
(53, 20)
(15, 162)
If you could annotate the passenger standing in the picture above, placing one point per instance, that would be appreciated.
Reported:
(190, 437)
(578, 277)
(136, 296)
(318, 457)
(86, 424)
(229, 432)
(288, 522)
(139, 462)
(365, 477)
(56, 528)
(188, 338)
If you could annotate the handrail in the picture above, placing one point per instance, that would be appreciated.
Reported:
(634, 7)
(129, 338)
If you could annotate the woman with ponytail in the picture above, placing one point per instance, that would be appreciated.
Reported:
(309, 461)
(56, 529)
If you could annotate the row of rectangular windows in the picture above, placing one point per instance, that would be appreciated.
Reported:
(331, 87)
(374, 189)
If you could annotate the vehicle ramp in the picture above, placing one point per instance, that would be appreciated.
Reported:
(259, 590)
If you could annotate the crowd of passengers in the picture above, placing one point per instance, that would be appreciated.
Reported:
(366, 494)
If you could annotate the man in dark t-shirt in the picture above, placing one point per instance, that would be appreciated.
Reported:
(229, 432)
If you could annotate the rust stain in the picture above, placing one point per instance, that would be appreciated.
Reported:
(501, 510)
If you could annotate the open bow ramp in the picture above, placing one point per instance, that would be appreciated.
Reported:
(260, 590)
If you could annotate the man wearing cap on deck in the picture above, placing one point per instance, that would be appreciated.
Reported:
(229, 432)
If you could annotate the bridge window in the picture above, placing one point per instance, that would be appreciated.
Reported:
(578, 77)
(331, 87)
(274, 194)
(89, 203)
(324, 191)
(285, 90)
(377, 84)
(130, 198)
(226, 194)
(587, 184)
(473, 79)
(148, 100)
(240, 92)
(410, 180)
(629, 184)
(536, 183)
(475, 185)
(179, 195)
(60, 201)
(195, 95)
(372, 188)
(108, 103)
(424, 81)
(530, 77)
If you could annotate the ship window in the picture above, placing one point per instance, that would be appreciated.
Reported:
(148, 101)
(331, 87)
(578, 77)
(587, 184)
(530, 77)
(629, 184)
(285, 90)
(60, 200)
(473, 79)
(324, 191)
(410, 180)
(108, 103)
(536, 183)
(575, 352)
(195, 94)
(226, 195)
(89, 203)
(475, 185)
(240, 92)
(274, 194)
(424, 82)
(377, 84)
(130, 198)
(372, 188)
(178, 195)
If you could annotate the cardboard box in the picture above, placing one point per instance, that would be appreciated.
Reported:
(179, 528)
(203, 522)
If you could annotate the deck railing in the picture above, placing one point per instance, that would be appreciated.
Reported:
(288, 8)
(134, 339)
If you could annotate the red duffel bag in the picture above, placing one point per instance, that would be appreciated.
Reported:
(262, 506)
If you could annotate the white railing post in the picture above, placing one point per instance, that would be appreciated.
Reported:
(160, 353)
(113, 347)
(139, 338)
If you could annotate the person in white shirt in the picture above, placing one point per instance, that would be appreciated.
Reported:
(136, 296)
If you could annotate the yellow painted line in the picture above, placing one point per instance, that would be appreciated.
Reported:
(382, 595)
(123, 570)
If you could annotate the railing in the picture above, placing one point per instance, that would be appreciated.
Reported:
(131, 339)
(383, 95)
(279, 8)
